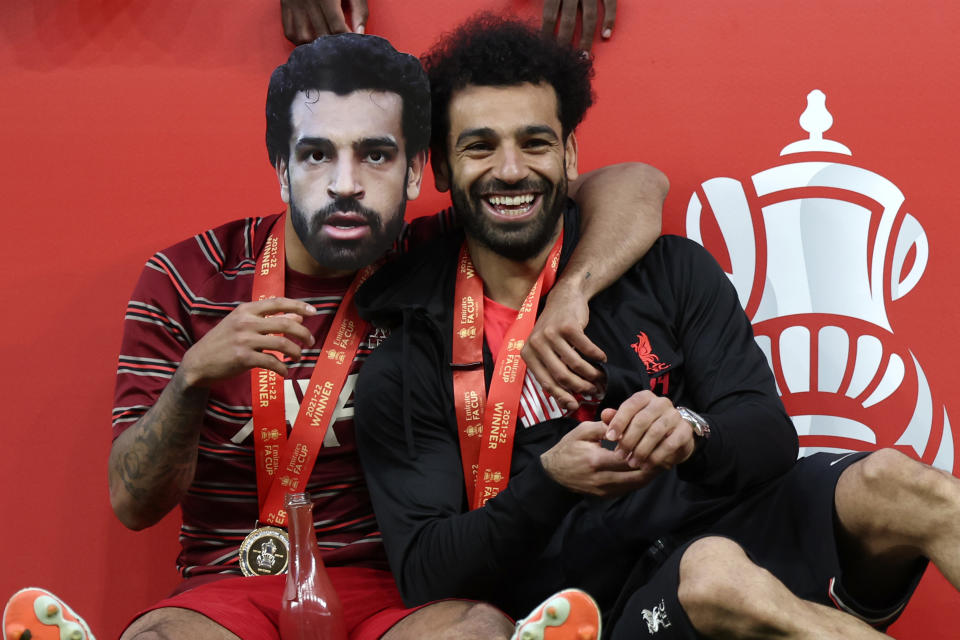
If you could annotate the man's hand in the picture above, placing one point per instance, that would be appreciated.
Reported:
(566, 10)
(581, 464)
(557, 350)
(306, 20)
(152, 463)
(649, 432)
(238, 342)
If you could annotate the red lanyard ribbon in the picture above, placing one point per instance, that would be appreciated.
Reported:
(284, 466)
(487, 422)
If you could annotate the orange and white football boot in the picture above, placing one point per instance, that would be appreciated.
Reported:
(570, 614)
(37, 614)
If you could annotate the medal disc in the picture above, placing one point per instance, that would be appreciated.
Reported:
(265, 552)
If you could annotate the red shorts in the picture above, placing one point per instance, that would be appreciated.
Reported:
(250, 607)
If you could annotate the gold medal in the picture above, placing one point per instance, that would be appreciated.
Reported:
(265, 552)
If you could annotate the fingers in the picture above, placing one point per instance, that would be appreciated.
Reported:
(240, 354)
(588, 24)
(286, 18)
(275, 345)
(609, 18)
(296, 18)
(578, 343)
(273, 306)
(557, 358)
(540, 368)
(571, 371)
(675, 449)
(333, 17)
(566, 11)
(285, 325)
(606, 416)
(267, 361)
(550, 8)
(589, 431)
(623, 415)
(303, 30)
(598, 458)
(568, 21)
(255, 334)
(275, 324)
(358, 15)
(254, 322)
(579, 463)
(608, 472)
(561, 376)
(655, 436)
(644, 433)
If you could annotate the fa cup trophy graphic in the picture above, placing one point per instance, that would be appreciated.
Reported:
(816, 249)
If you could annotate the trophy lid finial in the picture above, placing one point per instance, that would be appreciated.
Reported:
(816, 119)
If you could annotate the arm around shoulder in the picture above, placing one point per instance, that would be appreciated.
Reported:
(621, 207)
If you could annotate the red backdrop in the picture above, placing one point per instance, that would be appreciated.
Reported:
(125, 126)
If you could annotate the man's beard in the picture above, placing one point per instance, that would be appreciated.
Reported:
(522, 240)
(347, 255)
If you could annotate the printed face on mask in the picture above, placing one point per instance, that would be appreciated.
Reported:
(347, 179)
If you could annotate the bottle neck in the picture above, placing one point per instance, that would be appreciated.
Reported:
(299, 517)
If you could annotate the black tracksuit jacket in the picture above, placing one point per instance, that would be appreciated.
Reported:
(536, 536)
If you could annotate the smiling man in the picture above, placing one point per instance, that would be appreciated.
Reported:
(673, 495)
(503, 211)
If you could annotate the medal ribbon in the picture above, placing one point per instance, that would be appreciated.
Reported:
(487, 422)
(284, 466)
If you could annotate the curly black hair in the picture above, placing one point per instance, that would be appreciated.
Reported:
(344, 63)
(489, 50)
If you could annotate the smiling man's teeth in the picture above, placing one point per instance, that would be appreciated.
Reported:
(511, 201)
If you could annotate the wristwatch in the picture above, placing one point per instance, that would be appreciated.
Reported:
(701, 428)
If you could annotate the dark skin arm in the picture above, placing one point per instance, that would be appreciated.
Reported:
(560, 17)
(306, 20)
(152, 463)
(618, 197)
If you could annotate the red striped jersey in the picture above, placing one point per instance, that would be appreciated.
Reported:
(183, 292)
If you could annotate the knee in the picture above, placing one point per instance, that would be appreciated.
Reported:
(711, 572)
(485, 617)
(149, 634)
(478, 621)
(453, 620)
(725, 594)
(145, 628)
(888, 500)
(893, 475)
(884, 468)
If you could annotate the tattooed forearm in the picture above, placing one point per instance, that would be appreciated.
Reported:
(152, 463)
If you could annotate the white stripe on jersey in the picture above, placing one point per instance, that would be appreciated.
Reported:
(535, 405)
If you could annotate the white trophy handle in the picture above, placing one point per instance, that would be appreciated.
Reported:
(728, 201)
(911, 234)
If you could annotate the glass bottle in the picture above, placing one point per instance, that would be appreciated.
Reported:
(311, 609)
